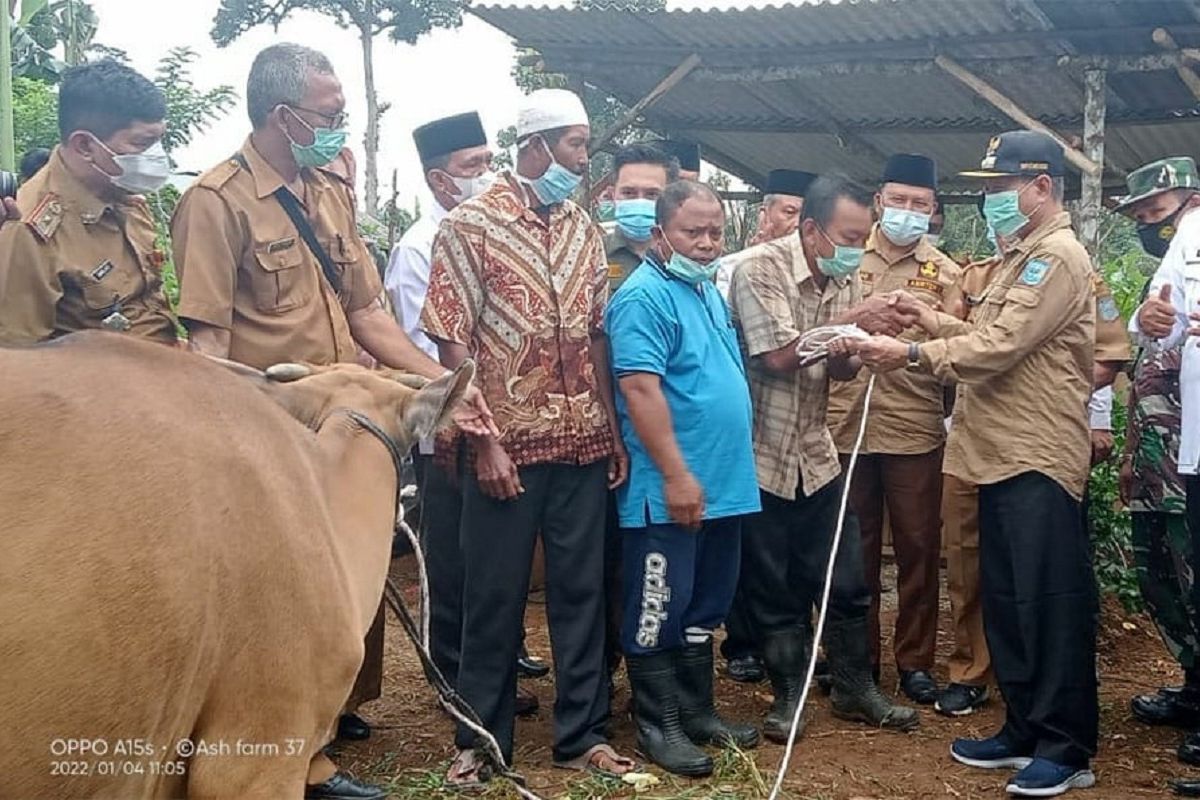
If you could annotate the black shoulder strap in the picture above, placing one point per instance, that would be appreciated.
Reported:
(291, 207)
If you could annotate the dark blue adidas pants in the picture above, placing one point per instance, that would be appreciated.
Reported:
(679, 584)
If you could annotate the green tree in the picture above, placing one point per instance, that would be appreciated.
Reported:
(189, 110)
(401, 20)
(35, 114)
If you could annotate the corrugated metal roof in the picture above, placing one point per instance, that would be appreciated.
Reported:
(839, 85)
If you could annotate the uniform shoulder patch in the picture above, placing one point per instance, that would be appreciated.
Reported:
(219, 175)
(1106, 307)
(45, 217)
(1035, 272)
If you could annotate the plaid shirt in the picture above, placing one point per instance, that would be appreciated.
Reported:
(525, 295)
(775, 299)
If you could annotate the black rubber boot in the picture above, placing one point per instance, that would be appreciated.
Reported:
(785, 655)
(660, 735)
(697, 712)
(855, 695)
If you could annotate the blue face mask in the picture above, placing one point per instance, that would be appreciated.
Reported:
(327, 143)
(845, 262)
(903, 227)
(557, 182)
(691, 271)
(605, 211)
(635, 219)
(1002, 210)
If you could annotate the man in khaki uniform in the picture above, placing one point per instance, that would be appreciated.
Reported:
(900, 462)
(86, 256)
(640, 173)
(969, 663)
(1020, 432)
(253, 290)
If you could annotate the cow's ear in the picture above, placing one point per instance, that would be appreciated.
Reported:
(431, 407)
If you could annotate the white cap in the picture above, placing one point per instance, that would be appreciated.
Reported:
(547, 109)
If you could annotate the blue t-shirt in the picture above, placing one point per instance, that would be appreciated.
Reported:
(662, 325)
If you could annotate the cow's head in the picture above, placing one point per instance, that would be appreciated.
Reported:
(406, 406)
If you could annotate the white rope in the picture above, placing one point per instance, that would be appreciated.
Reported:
(815, 344)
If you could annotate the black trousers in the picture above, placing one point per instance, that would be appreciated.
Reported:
(614, 597)
(785, 551)
(740, 640)
(441, 512)
(1192, 487)
(567, 505)
(1039, 615)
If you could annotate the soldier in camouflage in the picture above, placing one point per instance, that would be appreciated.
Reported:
(1149, 481)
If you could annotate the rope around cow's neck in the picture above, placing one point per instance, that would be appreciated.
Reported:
(450, 700)
(811, 348)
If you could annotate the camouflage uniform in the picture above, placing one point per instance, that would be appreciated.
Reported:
(1161, 544)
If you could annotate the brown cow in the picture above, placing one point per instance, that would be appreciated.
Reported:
(187, 571)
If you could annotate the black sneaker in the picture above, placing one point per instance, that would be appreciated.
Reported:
(959, 699)
(1178, 708)
(919, 686)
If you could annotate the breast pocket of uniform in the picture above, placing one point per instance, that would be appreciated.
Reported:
(105, 287)
(346, 257)
(278, 280)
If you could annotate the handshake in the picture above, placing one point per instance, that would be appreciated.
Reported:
(885, 316)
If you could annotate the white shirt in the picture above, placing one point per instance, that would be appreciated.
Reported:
(1180, 268)
(407, 282)
(1100, 409)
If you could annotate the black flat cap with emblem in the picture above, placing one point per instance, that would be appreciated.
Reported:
(793, 182)
(686, 153)
(444, 136)
(911, 170)
(1030, 153)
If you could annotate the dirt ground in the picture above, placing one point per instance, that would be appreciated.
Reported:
(835, 760)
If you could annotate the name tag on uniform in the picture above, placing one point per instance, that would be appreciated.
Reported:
(614, 271)
(281, 245)
(929, 286)
(101, 271)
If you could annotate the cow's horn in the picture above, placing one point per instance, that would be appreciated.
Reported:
(286, 373)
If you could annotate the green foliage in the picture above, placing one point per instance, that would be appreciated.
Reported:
(162, 206)
(189, 110)
(35, 114)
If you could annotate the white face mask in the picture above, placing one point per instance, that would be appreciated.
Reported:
(472, 187)
(141, 173)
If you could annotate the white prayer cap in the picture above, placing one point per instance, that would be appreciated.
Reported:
(547, 109)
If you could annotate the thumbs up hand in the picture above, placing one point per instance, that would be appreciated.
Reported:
(1156, 317)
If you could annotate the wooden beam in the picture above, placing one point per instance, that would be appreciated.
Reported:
(653, 96)
(1163, 38)
(1005, 104)
(1095, 105)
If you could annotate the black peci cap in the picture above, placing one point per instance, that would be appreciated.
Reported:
(1029, 153)
(444, 136)
(792, 182)
(686, 153)
(911, 170)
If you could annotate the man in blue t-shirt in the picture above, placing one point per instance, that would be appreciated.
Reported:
(685, 414)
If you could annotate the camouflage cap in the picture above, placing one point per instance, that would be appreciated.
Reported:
(1164, 175)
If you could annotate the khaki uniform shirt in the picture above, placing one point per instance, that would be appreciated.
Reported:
(75, 261)
(908, 409)
(244, 268)
(1024, 366)
(774, 299)
(622, 260)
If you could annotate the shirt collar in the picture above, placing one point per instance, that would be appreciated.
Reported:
(72, 191)
(1055, 223)
(801, 272)
(266, 180)
(507, 197)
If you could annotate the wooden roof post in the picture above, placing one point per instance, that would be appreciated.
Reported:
(1015, 112)
(1095, 102)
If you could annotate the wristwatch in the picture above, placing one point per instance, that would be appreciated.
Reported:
(914, 356)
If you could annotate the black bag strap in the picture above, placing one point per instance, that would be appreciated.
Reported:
(291, 207)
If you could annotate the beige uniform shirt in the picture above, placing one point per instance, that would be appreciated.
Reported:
(774, 298)
(77, 262)
(1024, 366)
(622, 260)
(244, 268)
(908, 408)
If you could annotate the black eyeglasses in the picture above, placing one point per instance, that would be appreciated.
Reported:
(338, 120)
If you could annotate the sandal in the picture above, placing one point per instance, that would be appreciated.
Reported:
(600, 760)
(468, 772)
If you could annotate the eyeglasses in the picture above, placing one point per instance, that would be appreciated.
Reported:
(338, 120)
